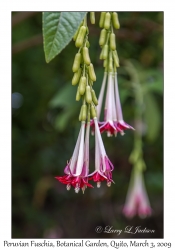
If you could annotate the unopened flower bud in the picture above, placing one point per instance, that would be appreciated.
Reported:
(77, 61)
(93, 112)
(107, 21)
(78, 96)
(105, 63)
(80, 37)
(82, 85)
(83, 113)
(115, 20)
(110, 64)
(112, 41)
(105, 52)
(102, 38)
(86, 57)
(76, 77)
(115, 58)
(102, 18)
(94, 98)
(92, 17)
(92, 72)
(88, 95)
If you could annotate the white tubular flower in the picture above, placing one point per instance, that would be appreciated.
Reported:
(120, 125)
(78, 167)
(103, 166)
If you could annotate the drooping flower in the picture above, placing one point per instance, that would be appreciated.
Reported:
(113, 118)
(109, 109)
(137, 201)
(76, 171)
(120, 125)
(103, 166)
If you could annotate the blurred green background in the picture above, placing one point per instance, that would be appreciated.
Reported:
(45, 128)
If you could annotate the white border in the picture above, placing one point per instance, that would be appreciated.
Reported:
(5, 96)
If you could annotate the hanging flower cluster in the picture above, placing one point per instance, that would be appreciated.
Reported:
(113, 118)
(77, 170)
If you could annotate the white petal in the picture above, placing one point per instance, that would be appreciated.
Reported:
(76, 151)
(80, 160)
(100, 98)
(114, 111)
(118, 104)
(99, 139)
(109, 99)
(97, 153)
(86, 148)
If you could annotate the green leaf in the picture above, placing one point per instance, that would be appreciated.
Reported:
(152, 117)
(58, 30)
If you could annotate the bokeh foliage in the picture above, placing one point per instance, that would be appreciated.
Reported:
(45, 128)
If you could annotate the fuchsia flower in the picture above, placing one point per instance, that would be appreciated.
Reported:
(103, 166)
(120, 125)
(110, 115)
(137, 201)
(113, 117)
(76, 171)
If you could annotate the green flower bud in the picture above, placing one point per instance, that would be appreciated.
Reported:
(115, 20)
(88, 95)
(105, 63)
(83, 112)
(92, 72)
(110, 64)
(102, 38)
(93, 112)
(102, 18)
(82, 85)
(92, 17)
(115, 58)
(107, 21)
(76, 77)
(112, 41)
(78, 96)
(86, 57)
(77, 61)
(94, 98)
(80, 37)
(105, 52)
